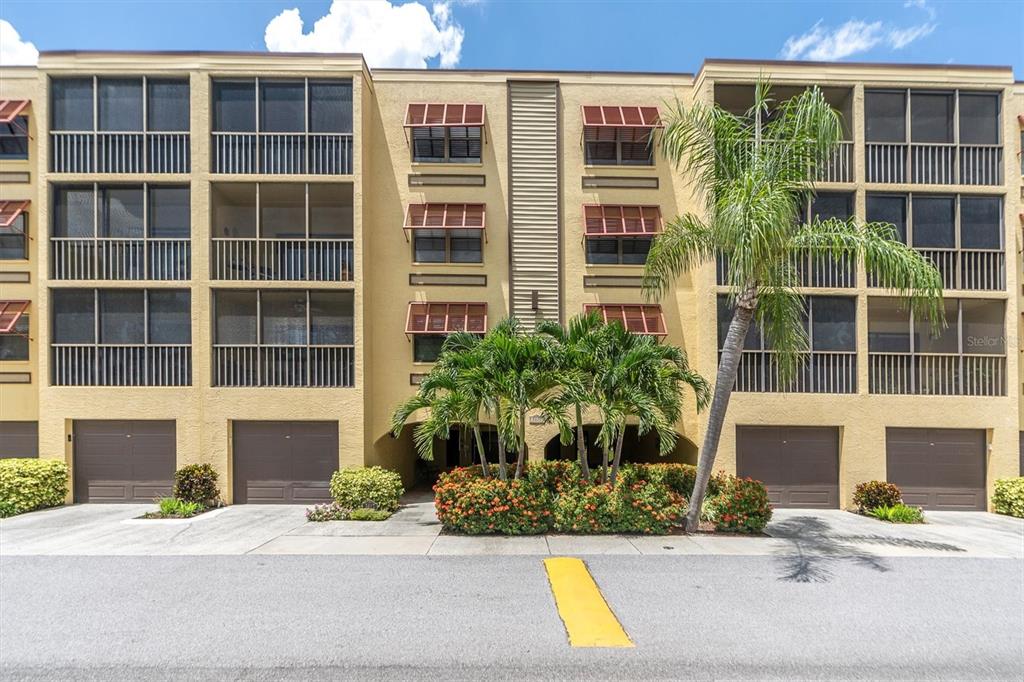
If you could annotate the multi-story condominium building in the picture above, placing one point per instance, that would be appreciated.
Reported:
(250, 259)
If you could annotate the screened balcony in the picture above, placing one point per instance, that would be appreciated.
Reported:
(961, 235)
(287, 127)
(266, 338)
(910, 356)
(830, 366)
(119, 125)
(120, 232)
(738, 99)
(933, 137)
(282, 232)
(121, 337)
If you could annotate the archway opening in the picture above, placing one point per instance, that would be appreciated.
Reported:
(635, 448)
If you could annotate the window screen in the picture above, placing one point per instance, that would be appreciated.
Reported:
(931, 117)
(330, 106)
(235, 317)
(170, 212)
(934, 222)
(283, 210)
(330, 318)
(283, 316)
(427, 347)
(170, 316)
(983, 329)
(121, 316)
(979, 118)
(74, 319)
(888, 326)
(74, 212)
(121, 212)
(282, 107)
(120, 104)
(981, 222)
(14, 240)
(71, 104)
(429, 246)
(465, 246)
(885, 115)
(234, 106)
(833, 323)
(167, 107)
(14, 345)
(428, 144)
(888, 208)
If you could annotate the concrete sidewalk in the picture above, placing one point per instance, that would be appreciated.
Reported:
(414, 530)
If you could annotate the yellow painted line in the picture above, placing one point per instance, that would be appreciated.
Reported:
(588, 620)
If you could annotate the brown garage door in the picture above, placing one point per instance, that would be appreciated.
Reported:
(798, 464)
(284, 462)
(123, 461)
(938, 468)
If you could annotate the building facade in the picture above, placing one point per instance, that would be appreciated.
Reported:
(251, 259)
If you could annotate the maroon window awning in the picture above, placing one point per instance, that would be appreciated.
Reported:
(599, 116)
(10, 109)
(636, 318)
(445, 217)
(423, 115)
(10, 313)
(10, 210)
(606, 220)
(445, 318)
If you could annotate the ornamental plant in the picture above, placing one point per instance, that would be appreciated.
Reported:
(332, 511)
(741, 505)
(875, 494)
(475, 505)
(898, 513)
(27, 484)
(196, 483)
(367, 487)
(1008, 497)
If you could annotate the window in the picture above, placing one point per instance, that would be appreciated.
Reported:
(14, 239)
(979, 118)
(120, 104)
(429, 324)
(618, 250)
(888, 326)
(235, 317)
(14, 342)
(121, 211)
(973, 327)
(885, 115)
(170, 212)
(618, 146)
(168, 106)
(119, 316)
(234, 106)
(427, 347)
(170, 319)
(931, 117)
(981, 221)
(446, 233)
(330, 106)
(74, 316)
(619, 235)
(283, 318)
(285, 106)
(933, 219)
(934, 222)
(447, 145)
(14, 138)
(888, 208)
(830, 323)
(71, 104)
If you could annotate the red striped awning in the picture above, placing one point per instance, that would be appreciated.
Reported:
(10, 313)
(445, 217)
(636, 318)
(598, 116)
(10, 210)
(421, 115)
(605, 220)
(445, 318)
(10, 109)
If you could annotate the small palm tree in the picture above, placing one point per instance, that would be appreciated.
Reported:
(754, 171)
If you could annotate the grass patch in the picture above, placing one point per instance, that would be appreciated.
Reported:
(898, 513)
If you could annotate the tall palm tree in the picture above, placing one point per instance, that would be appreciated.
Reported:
(753, 172)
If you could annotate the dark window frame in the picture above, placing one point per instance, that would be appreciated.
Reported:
(97, 314)
(621, 159)
(146, 93)
(257, 83)
(14, 134)
(15, 235)
(620, 242)
(954, 121)
(957, 326)
(908, 213)
(16, 341)
(309, 313)
(445, 140)
(447, 236)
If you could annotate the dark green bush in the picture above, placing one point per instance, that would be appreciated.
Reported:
(740, 505)
(874, 494)
(196, 483)
(27, 484)
(367, 487)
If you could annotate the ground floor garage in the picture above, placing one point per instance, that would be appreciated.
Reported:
(123, 460)
(283, 462)
(799, 465)
(938, 468)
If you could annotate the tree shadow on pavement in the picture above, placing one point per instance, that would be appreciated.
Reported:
(818, 548)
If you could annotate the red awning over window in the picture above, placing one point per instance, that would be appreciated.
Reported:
(595, 116)
(10, 210)
(637, 318)
(445, 217)
(420, 115)
(10, 313)
(445, 318)
(10, 109)
(603, 220)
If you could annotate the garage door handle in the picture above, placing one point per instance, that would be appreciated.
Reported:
(127, 435)
(287, 436)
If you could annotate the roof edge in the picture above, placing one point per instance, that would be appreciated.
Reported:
(881, 65)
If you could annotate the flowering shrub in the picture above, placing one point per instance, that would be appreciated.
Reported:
(369, 487)
(327, 512)
(679, 478)
(740, 506)
(467, 502)
(587, 509)
(874, 494)
(555, 474)
(1009, 497)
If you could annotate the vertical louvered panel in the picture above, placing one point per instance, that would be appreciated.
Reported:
(534, 182)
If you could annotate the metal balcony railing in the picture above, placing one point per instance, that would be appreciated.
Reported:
(120, 259)
(282, 153)
(121, 365)
(283, 366)
(839, 168)
(122, 152)
(814, 270)
(966, 269)
(934, 164)
(936, 374)
(310, 260)
(821, 372)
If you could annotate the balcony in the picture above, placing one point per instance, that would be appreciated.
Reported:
(936, 374)
(107, 258)
(121, 365)
(934, 164)
(813, 270)
(290, 260)
(969, 269)
(282, 153)
(286, 366)
(821, 372)
(125, 152)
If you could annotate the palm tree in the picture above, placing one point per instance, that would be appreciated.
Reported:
(753, 172)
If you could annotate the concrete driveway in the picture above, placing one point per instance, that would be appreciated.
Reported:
(97, 529)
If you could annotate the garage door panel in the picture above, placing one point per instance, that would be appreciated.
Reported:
(123, 461)
(798, 465)
(280, 462)
(940, 469)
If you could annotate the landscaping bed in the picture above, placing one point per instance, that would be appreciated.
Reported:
(884, 501)
(195, 492)
(360, 494)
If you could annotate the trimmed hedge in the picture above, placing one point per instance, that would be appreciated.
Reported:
(28, 484)
(1008, 497)
(196, 483)
(367, 488)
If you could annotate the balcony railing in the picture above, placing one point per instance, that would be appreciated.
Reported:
(821, 372)
(814, 270)
(120, 259)
(121, 365)
(970, 269)
(128, 152)
(282, 153)
(283, 366)
(839, 168)
(934, 164)
(936, 374)
(309, 260)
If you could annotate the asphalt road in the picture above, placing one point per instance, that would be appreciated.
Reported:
(406, 618)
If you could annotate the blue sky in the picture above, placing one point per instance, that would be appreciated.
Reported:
(524, 34)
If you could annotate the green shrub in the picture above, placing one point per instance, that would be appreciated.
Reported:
(196, 483)
(327, 512)
(367, 487)
(898, 513)
(369, 515)
(554, 474)
(1008, 497)
(172, 507)
(740, 505)
(874, 494)
(586, 509)
(27, 484)
(469, 503)
(680, 478)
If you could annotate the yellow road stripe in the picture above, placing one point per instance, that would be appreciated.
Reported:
(588, 620)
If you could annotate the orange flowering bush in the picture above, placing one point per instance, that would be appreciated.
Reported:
(468, 502)
(635, 506)
(740, 506)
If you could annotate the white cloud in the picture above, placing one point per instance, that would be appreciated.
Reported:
(13, 50)
(901, 37)
(386, 34)
(825, 45)
(922, 5)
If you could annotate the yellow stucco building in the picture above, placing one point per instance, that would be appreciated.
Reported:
(250, 259)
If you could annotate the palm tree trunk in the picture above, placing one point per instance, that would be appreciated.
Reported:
(618, 453)
(724, 381)
(502, 461)
(465, 446)
(522, 444)
(483, 453)
(581, 445)
(604, 465)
